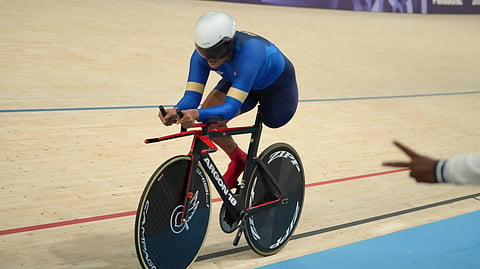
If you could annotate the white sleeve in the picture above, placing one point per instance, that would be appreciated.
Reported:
(464, 169)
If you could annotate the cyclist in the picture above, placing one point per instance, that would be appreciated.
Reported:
(252, 69)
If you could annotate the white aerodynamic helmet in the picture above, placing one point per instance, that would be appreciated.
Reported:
(214, 33)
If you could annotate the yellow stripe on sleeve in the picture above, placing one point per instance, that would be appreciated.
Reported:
(195, 87)
(237, 94)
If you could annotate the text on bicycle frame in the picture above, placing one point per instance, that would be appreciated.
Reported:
(216, 176)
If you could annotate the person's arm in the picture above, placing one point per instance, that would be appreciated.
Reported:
(197, 78)
(247, 66)
(463, 169)
(192, 96)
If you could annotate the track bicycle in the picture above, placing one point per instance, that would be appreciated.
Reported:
(174, 209)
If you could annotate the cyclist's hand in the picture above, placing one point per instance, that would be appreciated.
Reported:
(189, 118)
(169, 117)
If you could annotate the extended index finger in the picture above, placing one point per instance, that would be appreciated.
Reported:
(412, 154)
(396, 164)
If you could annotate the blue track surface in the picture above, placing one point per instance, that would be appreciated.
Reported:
(449, 243)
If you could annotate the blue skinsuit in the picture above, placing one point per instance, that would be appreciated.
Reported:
(258, 72)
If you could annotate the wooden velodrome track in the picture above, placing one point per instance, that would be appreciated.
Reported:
(70, 179)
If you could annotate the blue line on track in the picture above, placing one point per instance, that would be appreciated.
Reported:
(301, 101)
(388, 97)
(72, 109)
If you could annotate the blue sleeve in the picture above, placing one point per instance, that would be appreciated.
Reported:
(198, 72)
(199, 69)
(189, 100)
(227, 110)
(248, 65)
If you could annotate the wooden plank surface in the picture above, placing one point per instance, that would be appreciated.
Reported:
(72, 178)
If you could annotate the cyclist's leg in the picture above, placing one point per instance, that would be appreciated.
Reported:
(217, 97)
(278, 102)
(237, 156)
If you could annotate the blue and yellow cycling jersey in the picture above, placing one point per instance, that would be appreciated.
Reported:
(256, 64)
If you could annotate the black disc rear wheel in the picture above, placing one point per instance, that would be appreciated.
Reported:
(268, 230)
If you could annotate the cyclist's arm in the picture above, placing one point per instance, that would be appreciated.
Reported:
(248, 65)
(464, 169)
(227, 110)
(197, 78)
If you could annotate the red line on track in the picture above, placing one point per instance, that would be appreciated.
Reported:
(65, 223)
(130, 213)
(355, 177)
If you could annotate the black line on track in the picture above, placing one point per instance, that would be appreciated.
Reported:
(346, 225)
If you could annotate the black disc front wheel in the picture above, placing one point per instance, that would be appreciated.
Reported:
(168, 232)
